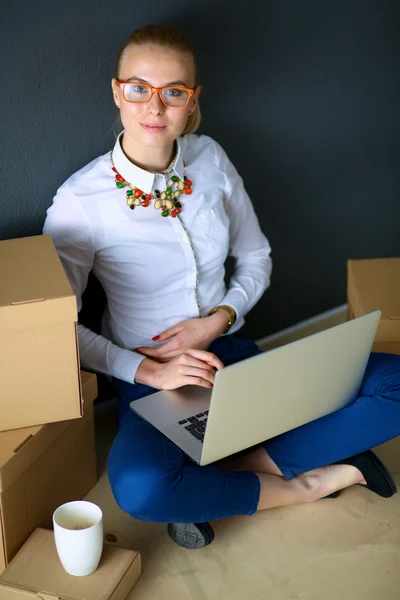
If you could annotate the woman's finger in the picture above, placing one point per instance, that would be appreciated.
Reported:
(205, 356)
(164, 335)
(194, 372)
(157, 352)
(187, 360)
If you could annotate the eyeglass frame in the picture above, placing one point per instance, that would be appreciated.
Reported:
(159, 90)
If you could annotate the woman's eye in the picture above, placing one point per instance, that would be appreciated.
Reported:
(174, 92)
(139, 88)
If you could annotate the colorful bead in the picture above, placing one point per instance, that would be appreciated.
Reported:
(166, 200)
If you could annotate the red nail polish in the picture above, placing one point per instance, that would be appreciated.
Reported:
(155, 338)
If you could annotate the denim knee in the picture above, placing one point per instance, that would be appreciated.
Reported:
(382, 376)
(146, 494)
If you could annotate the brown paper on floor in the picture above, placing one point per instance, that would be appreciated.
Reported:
(37, 569)
(347, 548)
(42, 467)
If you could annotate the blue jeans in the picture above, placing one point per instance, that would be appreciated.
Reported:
(153, 480)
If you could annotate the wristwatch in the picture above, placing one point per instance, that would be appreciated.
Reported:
(231, 312)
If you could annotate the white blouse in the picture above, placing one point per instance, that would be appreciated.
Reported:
(157, 271)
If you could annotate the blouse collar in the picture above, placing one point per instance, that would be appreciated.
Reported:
(141, 178)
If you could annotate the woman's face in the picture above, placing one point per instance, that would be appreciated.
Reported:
(158, 67)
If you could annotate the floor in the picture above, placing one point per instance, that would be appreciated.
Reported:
(347, 548)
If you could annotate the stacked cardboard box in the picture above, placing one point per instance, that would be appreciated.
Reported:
(42, 467)
(39, 362)
(27, 579)
(47, 450)
(374, 284)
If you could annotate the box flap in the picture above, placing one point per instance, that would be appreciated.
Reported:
(89, 387)
(34, 286)
(37, 568)
(375, 284)
(38, 314)
(19, 448)
(11, 593)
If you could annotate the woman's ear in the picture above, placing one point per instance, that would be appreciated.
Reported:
(116, 92)
(194, 99)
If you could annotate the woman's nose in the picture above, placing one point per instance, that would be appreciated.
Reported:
(156, 104)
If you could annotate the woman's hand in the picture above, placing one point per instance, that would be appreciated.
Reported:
(193, 333)
(192, 367)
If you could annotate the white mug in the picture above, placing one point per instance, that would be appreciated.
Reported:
(78, 533)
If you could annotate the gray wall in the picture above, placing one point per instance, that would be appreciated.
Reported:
(303, 95)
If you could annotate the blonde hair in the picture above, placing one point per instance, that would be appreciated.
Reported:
(164, 37)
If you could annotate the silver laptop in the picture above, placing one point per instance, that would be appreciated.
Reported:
(265, 395)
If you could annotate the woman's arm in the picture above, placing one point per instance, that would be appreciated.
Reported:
(72, 236)
(248, 245)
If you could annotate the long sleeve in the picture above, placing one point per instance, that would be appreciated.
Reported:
(70, 230)
(248, 245)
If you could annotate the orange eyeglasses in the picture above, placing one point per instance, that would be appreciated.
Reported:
(141, 93)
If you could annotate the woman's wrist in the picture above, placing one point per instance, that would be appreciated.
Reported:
(218, 322)
(147, 372)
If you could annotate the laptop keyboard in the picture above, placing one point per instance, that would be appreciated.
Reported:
(196, 425)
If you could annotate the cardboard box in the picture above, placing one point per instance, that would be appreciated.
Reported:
(36, 572)
(39, 363)
(375, 284)
(390, 347)
(42, 467)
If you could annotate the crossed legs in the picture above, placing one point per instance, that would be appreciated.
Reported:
(276, 491)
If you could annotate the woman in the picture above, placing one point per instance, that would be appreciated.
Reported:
(155, 220)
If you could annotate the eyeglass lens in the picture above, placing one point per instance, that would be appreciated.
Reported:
(173, 96)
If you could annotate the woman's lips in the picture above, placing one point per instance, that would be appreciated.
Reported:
(153, 128)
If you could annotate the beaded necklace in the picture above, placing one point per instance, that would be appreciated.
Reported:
(167, 200)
